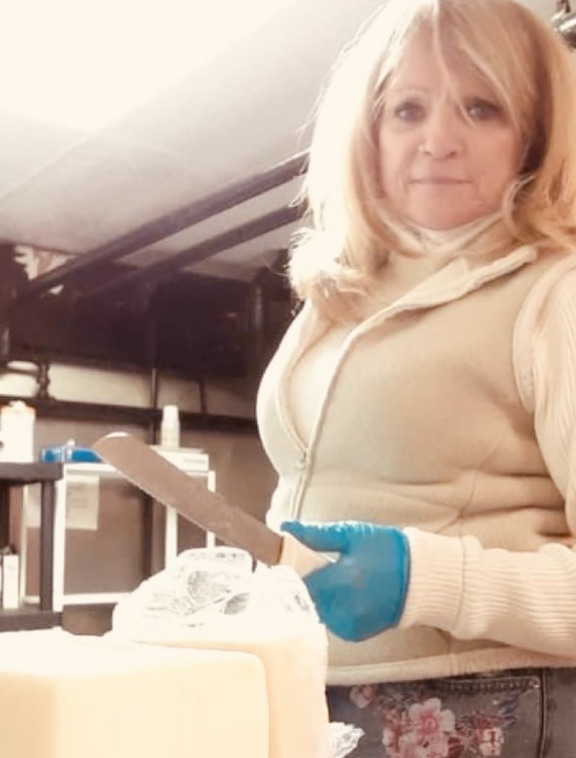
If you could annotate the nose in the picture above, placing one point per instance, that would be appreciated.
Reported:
(442, 135)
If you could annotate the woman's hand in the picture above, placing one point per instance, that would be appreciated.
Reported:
(361, 593)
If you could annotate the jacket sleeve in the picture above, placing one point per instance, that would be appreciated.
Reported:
(526, 599)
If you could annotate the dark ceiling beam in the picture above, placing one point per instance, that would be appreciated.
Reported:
(170, 224)
(153, 274)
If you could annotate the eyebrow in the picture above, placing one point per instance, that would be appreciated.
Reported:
(406, 88)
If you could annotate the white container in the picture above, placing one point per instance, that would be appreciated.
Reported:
(10, 581)
(170, 427)
(17, 421)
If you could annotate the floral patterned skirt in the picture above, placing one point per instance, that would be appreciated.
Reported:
(528, 713)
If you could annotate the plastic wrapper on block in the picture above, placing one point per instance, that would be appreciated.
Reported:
(209, 586)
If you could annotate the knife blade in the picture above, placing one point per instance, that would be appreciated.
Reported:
(191, 498)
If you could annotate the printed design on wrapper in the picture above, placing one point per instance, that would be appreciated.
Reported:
(419, 727)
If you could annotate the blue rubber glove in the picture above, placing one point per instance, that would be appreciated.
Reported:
(363, 592)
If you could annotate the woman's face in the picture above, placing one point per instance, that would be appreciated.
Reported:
(447, 151)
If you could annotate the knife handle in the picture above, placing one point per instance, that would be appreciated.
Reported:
(302, 558)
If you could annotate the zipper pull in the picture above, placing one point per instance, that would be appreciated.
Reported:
(302, 462)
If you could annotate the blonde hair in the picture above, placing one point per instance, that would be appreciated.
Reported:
(530, 69)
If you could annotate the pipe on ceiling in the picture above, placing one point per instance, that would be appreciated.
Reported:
(564, 22)
(161, 270)
(170, 224)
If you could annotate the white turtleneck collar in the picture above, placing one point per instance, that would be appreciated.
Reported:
(444, 245)
(424, 252)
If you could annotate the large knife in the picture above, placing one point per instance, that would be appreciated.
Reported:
(192, 499)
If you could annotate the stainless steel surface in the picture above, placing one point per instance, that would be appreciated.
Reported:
(163, 481)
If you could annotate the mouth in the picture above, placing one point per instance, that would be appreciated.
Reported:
(439, 180)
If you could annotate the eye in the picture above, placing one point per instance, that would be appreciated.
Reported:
(409, 110)
(483, 110)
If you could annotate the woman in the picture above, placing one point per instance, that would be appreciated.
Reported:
(421, 409)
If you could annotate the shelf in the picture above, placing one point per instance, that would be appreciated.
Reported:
(13, 474)
(28, 617)
(120, 415)
(29, 473)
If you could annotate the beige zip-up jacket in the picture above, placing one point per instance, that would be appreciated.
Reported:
(450, 413)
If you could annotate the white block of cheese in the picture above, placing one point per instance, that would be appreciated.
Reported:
(67, 696)
(293, 654)
(213, 599)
